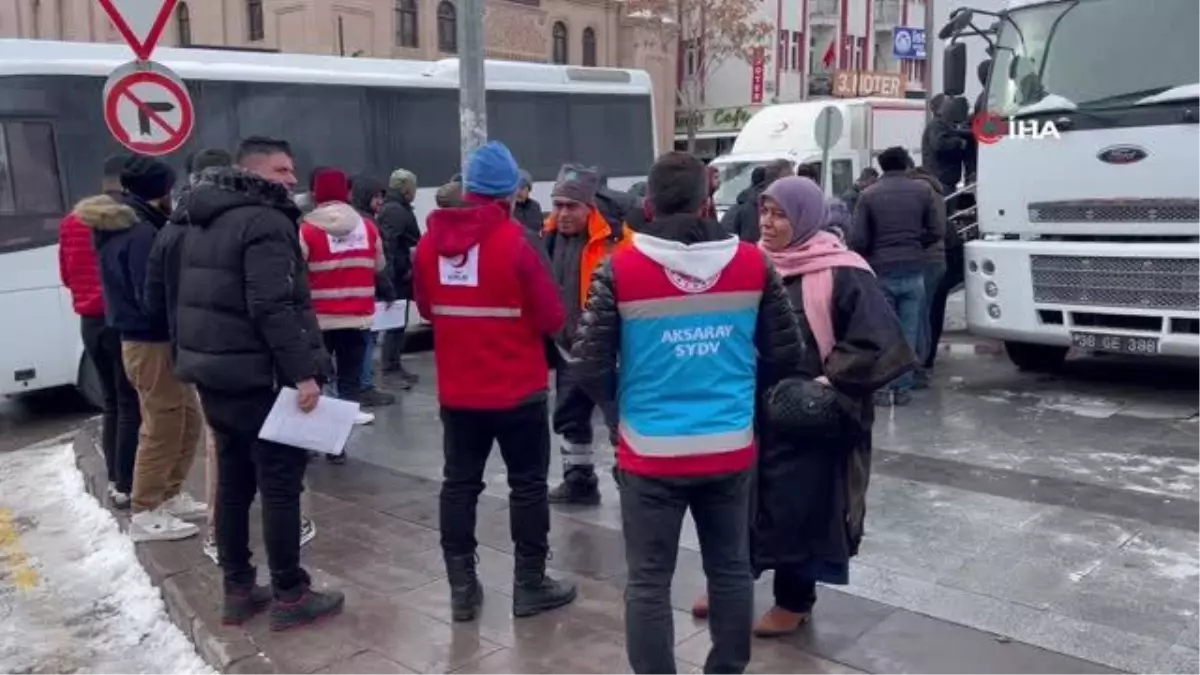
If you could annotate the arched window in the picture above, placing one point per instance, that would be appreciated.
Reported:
(406, 23)
(447, 24)
(558, 36)
(183, 23)
(589, 47)
(255, 25)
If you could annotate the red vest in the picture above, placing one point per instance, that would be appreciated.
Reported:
(343, 283)
(488, 353)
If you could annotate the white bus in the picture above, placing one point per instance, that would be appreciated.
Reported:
(366, 116)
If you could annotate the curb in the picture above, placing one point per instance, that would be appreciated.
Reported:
(225, 654)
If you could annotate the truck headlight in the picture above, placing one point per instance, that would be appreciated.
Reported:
(994, 311)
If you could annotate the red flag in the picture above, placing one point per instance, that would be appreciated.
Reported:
(830, 55)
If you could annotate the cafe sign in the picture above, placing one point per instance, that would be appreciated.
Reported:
(856, 83)
(715, 119)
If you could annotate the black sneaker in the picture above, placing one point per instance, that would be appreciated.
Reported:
(303, 606)
(579, 486)
(336, 459)
(534, 592)
(242, 604)
(374, 398)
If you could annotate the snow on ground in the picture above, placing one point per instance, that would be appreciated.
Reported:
(73, 597)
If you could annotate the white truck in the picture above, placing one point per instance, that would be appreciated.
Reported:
(1088, 188)
(785, 131)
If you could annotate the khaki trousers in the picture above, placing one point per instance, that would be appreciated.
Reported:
(171, 424)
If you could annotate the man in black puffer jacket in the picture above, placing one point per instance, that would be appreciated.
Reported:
(708, 320)
(245, 327)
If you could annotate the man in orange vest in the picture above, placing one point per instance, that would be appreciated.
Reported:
(578, 238)
(486, 291)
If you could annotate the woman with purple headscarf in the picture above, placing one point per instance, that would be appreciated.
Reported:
(812, 487)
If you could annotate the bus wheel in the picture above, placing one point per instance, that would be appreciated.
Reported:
(88, 383)
(1035, 358)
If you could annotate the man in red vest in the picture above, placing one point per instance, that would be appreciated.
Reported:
(491, 300)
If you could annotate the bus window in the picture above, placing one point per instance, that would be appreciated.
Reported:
(843, 176)
(31, 196)
(8, 203)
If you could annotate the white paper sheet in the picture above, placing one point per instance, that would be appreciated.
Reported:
(324, 430)
(389, 318)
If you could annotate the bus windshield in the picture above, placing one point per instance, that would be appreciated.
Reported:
(1093, 53)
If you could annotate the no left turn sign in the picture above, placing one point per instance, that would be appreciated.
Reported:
(147, 108)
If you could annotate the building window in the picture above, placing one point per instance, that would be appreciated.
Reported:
(781, 50)
(183, 23)
(447, 23)
(589, 47)
(558, 37)
(406, 23)
(254, 20)
(691, 57)
(796, 35)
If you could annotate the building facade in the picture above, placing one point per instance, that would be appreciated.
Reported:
(816, 46)
(576, 32)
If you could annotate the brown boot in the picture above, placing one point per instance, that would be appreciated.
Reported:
(700, 607)
(779, 622)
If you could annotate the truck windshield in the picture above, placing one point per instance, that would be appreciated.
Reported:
(1094, 53)
(734, 177)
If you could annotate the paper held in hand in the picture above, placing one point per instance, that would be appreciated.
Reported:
(324, 430)
(390, 318)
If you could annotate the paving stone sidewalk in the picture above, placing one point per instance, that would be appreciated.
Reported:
(377, 541)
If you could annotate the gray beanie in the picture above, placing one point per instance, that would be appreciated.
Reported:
(526, 179)
(577, 183)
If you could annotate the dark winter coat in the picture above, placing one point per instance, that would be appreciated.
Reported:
(811, 493)
(529, 214)
(614, 206)
(598, 338)
(400, 232)
(162, 269)
(742, 219)
(936, 252)
(895, 221)
(123, 232)
(244, 312)
(944, 150)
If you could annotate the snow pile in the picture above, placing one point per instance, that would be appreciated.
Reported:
(92, 608)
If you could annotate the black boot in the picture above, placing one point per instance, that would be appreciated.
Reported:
(466, 593)
(579, 486)
(534, 592)
(242, 602)
(302, 605)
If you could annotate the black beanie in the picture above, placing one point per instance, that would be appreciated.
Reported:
(148, 178)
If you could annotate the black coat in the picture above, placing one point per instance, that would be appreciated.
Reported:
(244, 318)
(529, 214)
(597, 340)
(123, 232)
(811, 494)
(742, 220)
(895, 222)
(400, 233)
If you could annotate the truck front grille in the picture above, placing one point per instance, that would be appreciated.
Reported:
(1116, 211)
(1143, 283)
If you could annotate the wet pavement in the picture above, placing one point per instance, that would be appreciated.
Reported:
(1016, 523)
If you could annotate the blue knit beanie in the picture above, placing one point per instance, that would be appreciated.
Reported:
(492, 171)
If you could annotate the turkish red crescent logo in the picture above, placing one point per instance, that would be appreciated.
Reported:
(989, 128)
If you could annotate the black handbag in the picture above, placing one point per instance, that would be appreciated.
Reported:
(804, 407)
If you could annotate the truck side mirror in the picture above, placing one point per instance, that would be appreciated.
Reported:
(954, 69)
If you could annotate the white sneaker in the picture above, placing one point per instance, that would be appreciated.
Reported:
(363, 417)
(308, 530)
(183, 506)
(210, 550)
(116, 498)
(158, 525)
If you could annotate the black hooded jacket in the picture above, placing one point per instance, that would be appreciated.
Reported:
(362, 192)
(243, 311)
(400, 232)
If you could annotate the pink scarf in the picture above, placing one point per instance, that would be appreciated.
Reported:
(814, 259)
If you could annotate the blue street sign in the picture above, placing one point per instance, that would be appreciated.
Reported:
(908, 44)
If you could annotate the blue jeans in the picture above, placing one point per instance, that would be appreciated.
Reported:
(933, 276)
(906, 293)
(368, 371)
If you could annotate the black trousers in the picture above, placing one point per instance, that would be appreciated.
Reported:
(523, 434)
(793, 591)
(246, 465)
(122, 414)
(937, 305)
(573, 409)
(349, 349)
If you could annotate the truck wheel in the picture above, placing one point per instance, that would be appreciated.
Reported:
(88, 383)
(1035, 358)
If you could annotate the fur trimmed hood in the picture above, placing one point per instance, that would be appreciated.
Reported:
(103, 213)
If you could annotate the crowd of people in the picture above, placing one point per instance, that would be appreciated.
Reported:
(720, 356)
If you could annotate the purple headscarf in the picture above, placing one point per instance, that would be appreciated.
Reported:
(803, 203)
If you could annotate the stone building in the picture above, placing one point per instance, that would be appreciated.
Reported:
(577, 32)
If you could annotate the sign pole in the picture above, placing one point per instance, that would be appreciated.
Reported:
(929, 30)
(472, 100)
(825, 171)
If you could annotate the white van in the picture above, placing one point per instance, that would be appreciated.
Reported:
(785, 131)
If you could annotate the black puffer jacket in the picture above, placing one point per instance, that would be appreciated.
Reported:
(598, 338)
(244, 313)
(400, 232)
(742, 220)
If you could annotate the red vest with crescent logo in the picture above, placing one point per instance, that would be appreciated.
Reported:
(342, 281)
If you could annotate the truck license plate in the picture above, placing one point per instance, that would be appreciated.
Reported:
(1121, 344)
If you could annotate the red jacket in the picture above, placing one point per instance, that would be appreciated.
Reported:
(79, 268)
(343, 253)
(492, 303)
